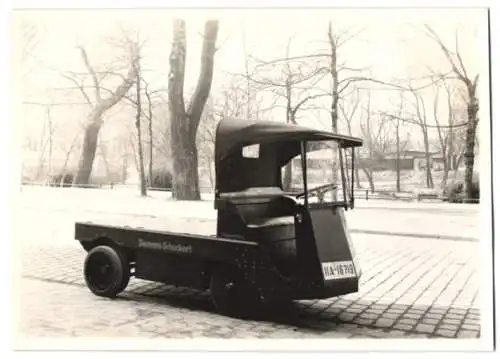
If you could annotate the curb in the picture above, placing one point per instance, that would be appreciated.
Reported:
(416, 235)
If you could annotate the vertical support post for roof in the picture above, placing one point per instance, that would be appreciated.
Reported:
(303, 158)
(342, 174)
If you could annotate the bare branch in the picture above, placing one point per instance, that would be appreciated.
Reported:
(446, 52)
(348, 38)
(460, 56)
(348, 117)
(418, 123)
(304, 100)
(79, 86)
(263, 63)
(92, 73)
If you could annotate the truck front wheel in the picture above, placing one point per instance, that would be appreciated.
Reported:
(106, 271)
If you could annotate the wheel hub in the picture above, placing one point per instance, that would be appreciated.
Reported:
(100, 271)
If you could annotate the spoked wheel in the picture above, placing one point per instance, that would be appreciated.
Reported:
(231, 295)
(106, 271)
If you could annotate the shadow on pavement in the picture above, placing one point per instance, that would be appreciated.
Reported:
(321, 316)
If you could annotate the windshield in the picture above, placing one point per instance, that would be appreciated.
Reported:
(323, 168)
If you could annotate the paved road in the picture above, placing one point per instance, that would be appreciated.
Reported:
(410, 288)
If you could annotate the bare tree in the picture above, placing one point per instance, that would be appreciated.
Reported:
(378, 136)
(68, 152)
(445, 136)
(470, 83)
(295, 84)
(348, 114)
(184, 122)
(45, 145)
(398, 148)
(368, 136)
(420, 120)
(99, 105)
(146, 108)
(342, 77)
(451, 136)
(401, 142)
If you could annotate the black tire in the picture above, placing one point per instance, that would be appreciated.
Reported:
(106, 271)
(231, 295)
(278, 305)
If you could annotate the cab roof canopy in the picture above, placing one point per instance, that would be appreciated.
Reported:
(278, 144)
(232, 135)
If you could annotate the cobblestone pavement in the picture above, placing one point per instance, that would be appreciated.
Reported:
(409, 288)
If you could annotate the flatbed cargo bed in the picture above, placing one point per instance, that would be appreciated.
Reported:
(195, 226)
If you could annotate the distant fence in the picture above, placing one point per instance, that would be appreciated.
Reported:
(365, 194)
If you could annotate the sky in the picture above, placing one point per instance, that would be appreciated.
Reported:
(390, 44)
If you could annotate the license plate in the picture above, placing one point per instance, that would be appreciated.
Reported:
(338, 270)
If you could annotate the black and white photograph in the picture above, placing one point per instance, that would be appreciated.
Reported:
(246, 178)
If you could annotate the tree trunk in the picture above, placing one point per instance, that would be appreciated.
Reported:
(458, 161)
(95, 118)
(124, 170)
(335, 99)
(369, 144)
(66, 160)
(150, 167)
(398, 159)
(106, 164)
(472, 109)
(356, 175)
(185, 164)
(41, 154)
(139, 135)
(41, 162)
(51, 134)
(184, 124)
(446, 141)
(369, 176)
(428, 165)
(447, 159)
(150, 134)
(88, 152)
(334, 119)
(287, 180)
(446, 171)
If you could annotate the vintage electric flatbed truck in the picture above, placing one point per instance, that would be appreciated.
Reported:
(268, 245)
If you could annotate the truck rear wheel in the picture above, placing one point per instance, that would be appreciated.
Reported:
(231, 295)
(106, 271)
